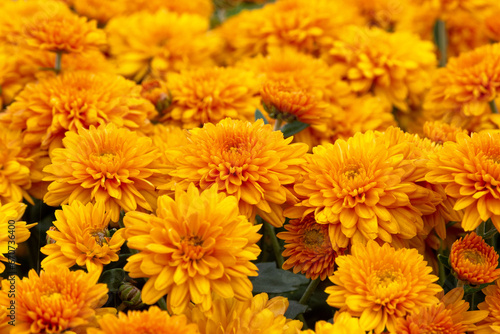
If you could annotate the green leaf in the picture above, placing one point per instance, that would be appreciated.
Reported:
(292, 128)
(260, 115)
(294, 309)
(473, 289)
(113, 278)
(444, 260)
(274, 280)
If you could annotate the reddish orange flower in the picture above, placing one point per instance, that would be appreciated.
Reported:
(473, 260)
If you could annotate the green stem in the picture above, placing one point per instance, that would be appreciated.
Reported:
(276, 246)
(493, 106)
(162, 304)
(277, 124)
(309, 291)
(442, 42)
(57, 67)
(481, 229)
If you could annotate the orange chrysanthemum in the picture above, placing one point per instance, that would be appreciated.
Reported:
(395, 66)
(470, 170)
(465, 32)
(308, 247)
(363, 189)
(16, 232)
(492, 24)
(343, 323)
(259, 315)
(449, 316)
(380, 284)
(81, 236)
(466, 84)
(288, 103)
(152, 320)
(116, 166)
(440, 132)
(194, 246)
(473, 260)
(208, 95)
(249, 161)
(63, 32)
(302, 72)
(491, 304)
(57, 301)
(47, 109)
(161, 42)
(301, 25)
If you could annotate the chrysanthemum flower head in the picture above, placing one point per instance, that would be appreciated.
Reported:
(491, 304)
(380, 284)
(19, 230)
(364, 189)
(160, 42)
(474, 261)
(470, 171)
(57, 301)
(81, 236)
(247, 160)
(492, 25)
(465, 32)
(289, 103)
(308, 248)
(297, 24)
(343, 323)
(395, 66)
(196, 245)
(208, 95)
(44, 111)
(108, 164)
(152, 320)
(259, 315)
(466, 84)
(440, 132)
(63, 32)
(450, 316)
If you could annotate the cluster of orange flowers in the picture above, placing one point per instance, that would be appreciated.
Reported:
(169, 135)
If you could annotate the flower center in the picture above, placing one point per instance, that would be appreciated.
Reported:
(313, 239)
(473, 257)
(493, 155)
(350, 171)
(52, 297)
(387, 277)
(101, 236)
(192, 248)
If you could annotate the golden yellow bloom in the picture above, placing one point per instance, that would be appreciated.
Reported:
(470, 170)
(308, 247)
(152, 320)
(12, 234)
(63, 32)
(363, 189)
(491, 324)
(169, 139)
(395, 66)
(465, 32)
(440, 132)
(104, 11)
(108, 164)
(247, 160)
(466, 84)
(492, 25)
(289, 103)
(82, 237)
(343, 323)
(196, 244)
(160, 43)
(449, 316)
(301, 25)
(74, 100)
(302, 72)
(259, 315)
(208, 95)
(13, 75)
(380, 284)
(57, 301)
(473, 260)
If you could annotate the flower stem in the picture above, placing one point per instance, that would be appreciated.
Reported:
(162, 304)
(493, 106)
(442, 42)
(276, 246)
(309, 291)
(277, 124)
(57, 67)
